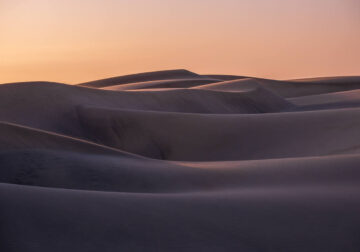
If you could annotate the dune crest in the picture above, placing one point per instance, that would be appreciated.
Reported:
(141, 77)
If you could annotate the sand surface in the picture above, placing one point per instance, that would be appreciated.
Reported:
(177, 161)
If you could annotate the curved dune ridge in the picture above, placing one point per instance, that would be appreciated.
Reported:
(142, 77)
(173, 83)
(290, 88)
(178, 161)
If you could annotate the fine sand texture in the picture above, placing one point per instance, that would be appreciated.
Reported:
(178, 161)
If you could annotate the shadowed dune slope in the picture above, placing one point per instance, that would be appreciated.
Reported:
(296, 219)
(289, 89)
(349, 98)
(298, 88)
(141, 77)
(224, 137)
(118, 172)
(345, 99)
(336, 79)
(53, 106)
(16, 137)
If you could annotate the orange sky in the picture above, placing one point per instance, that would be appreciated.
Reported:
(75, 40)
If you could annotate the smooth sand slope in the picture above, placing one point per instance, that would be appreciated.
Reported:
(345, 99)
(168, 136)
(257, 219)
(177, 83)
(54, 106)
(16, 137)
(178, 161)
(288, 89)
(141, 77)
(122, 172)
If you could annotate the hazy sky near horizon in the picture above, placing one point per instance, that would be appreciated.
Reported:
(75, 40)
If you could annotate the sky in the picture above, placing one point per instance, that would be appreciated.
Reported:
(73, 41)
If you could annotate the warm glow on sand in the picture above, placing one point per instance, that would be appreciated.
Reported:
(70, 41)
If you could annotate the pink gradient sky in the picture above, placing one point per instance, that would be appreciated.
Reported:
(75, 40)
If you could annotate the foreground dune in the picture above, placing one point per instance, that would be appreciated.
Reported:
(177, 161)
(295, 219)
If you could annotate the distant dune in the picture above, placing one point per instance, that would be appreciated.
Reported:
(142, 77)
(177, 161)
(173, 83)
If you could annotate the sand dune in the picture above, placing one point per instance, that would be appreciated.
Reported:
(16, 137)
(225, 77)
(345, 97)
(338, 79)
(141, 77)
(56, 104)
(178, 161)
(237, 85)
(120, 172)
(289, 89)
(224, 137)
(297, 219)
(179, 83)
